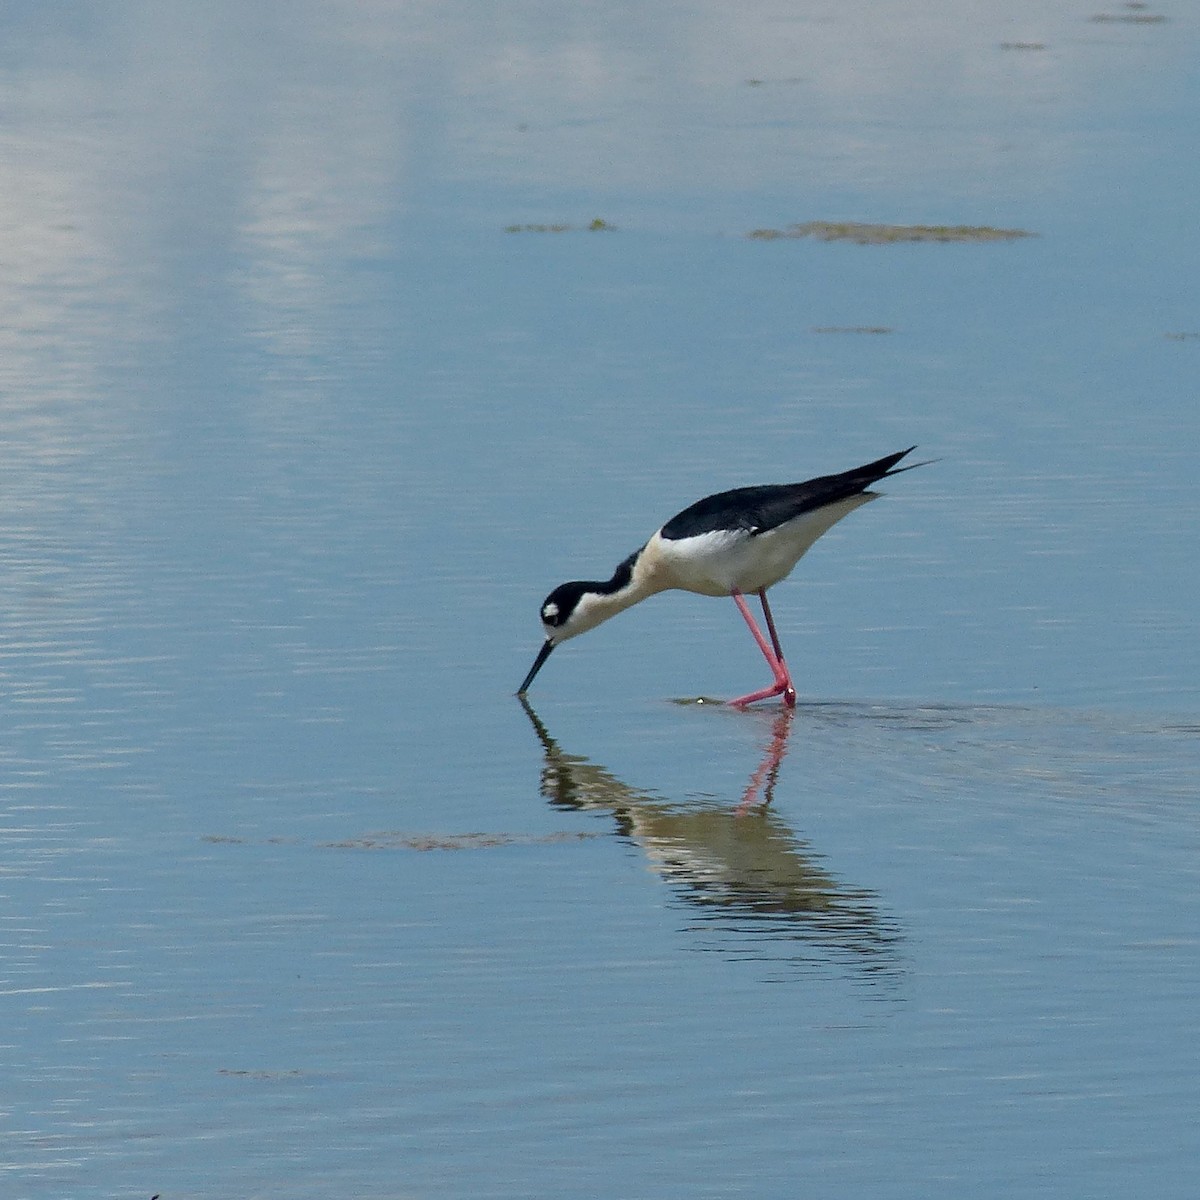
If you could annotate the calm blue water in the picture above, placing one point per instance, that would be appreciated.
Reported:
(297, 900)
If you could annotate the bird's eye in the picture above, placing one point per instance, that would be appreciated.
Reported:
(550, 614)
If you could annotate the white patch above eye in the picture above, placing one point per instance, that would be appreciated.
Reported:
(549, 612)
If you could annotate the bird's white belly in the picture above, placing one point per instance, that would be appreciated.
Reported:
(717, 563)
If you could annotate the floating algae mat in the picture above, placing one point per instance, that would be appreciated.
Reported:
(878, 235)
(599, 225)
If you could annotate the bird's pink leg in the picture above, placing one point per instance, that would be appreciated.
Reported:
(783, 681)
(789, 695)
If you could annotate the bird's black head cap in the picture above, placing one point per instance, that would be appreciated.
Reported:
(561, 603)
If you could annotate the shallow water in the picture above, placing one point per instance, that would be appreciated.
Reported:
(299, 900)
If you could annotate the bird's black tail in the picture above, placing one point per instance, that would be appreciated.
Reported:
(873, 472)
(858, 479)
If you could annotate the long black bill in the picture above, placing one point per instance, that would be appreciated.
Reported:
(543, 654)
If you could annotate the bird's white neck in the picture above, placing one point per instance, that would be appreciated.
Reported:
(633, 581)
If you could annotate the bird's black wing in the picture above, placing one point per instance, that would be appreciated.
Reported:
(759, 509)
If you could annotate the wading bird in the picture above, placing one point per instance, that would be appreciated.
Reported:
(729, 544)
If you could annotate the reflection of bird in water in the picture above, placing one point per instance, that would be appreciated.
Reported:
(740, 868)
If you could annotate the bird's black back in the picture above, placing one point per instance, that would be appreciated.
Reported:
(759, 509)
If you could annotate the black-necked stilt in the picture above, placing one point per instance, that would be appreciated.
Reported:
(745, 540)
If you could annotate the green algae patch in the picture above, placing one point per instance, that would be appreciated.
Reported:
(454, 841)
(853, 329)
(598, 225)
(865, 234)
(1128, 18)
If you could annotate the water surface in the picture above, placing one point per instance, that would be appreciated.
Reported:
(296, 899)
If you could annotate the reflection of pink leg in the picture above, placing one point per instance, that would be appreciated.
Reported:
(768, 770)
(783, 681)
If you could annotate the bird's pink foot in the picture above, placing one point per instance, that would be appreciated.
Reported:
(765, 694)
(781, 687)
